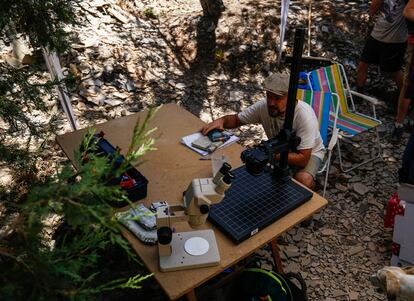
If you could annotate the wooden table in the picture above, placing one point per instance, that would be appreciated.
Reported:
(169, 170)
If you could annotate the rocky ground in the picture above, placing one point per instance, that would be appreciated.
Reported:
(129, 54)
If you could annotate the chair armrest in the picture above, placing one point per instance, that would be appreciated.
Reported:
(333, 140)
(372, 100)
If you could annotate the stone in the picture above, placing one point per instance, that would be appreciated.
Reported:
(291, 251)
(328, 232)
(353, 296)
(341, 187)
(113, 102)
(338, 293)
(360, 188)
(355, 250)
(116, 13)
(293, 267)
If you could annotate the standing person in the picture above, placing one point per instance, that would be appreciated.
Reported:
(407, 92)
(270, 113)
(406, 173)
(387, 42)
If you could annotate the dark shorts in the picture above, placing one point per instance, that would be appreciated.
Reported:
(389, 56)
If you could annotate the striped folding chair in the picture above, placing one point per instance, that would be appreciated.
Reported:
(351, 123)
(321, 103)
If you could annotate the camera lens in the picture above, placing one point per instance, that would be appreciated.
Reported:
(254, 167)
(255, 160)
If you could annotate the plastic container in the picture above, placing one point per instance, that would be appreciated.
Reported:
(132, 181)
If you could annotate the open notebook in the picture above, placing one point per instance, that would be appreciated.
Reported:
(188, 140)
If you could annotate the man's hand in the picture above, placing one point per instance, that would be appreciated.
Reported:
(225, 122)
(216, 124)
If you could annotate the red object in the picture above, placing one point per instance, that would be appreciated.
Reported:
(395, 249)
(127, 181)
(394, 207)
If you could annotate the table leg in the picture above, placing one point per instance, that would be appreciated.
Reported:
(276, 256)
(191, 296)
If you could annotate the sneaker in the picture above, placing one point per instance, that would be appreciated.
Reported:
(397, 134)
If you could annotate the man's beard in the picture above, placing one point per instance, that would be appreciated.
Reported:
(276, 114)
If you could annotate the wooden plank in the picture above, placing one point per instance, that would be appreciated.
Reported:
(169, 170)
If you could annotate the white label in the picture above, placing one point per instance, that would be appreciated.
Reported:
(254, 231)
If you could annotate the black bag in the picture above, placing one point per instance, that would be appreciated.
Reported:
(263, 285)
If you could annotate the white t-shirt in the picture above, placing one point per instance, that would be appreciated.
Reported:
(305, 123)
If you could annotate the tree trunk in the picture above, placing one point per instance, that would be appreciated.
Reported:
(212, 8)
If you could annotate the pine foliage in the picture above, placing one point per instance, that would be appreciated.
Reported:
(65, 268)
(42, 21)
(39, 261)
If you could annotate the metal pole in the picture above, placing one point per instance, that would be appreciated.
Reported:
(55, 70)
(309, 26)
(293, 86)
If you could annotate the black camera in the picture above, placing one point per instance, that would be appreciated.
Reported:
(255, 159)
(258, 157)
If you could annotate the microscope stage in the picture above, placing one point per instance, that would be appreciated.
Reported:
(254, 202)
(201, 242)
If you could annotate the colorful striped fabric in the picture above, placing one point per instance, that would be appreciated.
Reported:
(320, 102)
(329, 79)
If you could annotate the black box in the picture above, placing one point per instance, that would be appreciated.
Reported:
(132, 181)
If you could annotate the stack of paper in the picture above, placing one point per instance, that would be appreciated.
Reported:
(187, 140)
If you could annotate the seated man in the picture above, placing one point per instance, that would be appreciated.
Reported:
(270, 113)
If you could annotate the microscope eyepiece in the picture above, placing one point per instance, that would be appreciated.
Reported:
(228, 178)
(225, 168)
(164, 235)
(204, 209)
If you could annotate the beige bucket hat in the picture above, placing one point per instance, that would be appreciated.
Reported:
(277, 83)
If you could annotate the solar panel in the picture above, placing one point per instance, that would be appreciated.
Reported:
(254, 202)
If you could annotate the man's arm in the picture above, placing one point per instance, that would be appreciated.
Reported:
(375, 6)
(300, 159)
(225, 122)
(409, 11)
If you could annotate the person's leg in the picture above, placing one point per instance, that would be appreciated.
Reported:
(399, 79)
(391, 62)
(370, 55)
(403, 106)
(402, 109)
(361, 75)
(307, 175)
(407, 78)
(305, 178)
(403, 101)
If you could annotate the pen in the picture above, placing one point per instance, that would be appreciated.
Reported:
(203, 158)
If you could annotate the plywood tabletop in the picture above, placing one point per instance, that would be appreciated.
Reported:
(169, 170)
